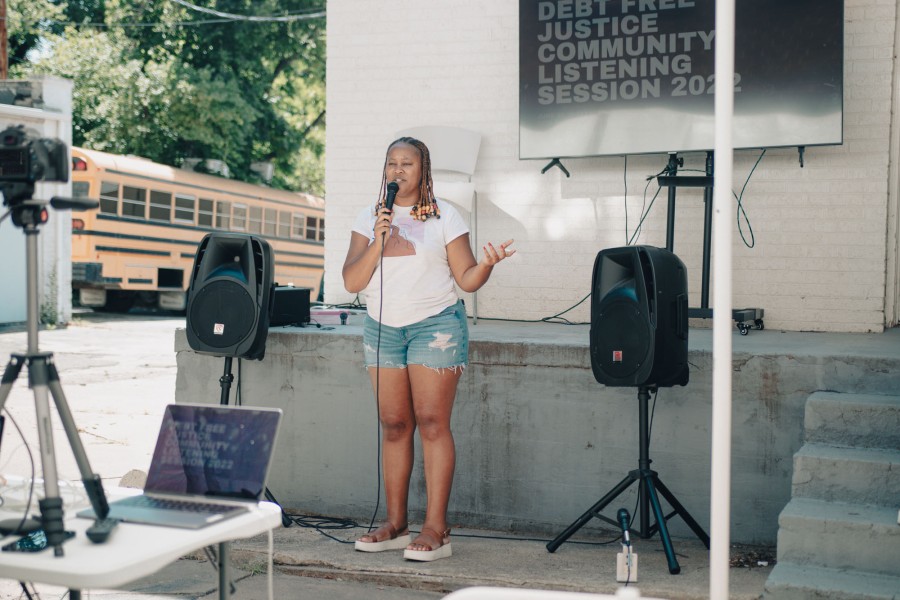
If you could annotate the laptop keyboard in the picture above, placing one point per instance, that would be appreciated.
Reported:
(181, 505)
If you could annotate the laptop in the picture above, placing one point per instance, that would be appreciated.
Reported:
(210, 464)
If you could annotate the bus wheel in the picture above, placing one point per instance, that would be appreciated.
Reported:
(118, 301)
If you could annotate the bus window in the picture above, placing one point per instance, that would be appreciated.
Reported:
(223, 215)
(134, 202)
(239, 218)
(297, 222)
(160, 206)
(184, 208)
(81, 189)
(255, 224)
(284, 224)
(269, 221)
(205, 214)
(109, 198)
(311, 228)
(321, 230)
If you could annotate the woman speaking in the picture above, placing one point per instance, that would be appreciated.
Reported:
(405, 257)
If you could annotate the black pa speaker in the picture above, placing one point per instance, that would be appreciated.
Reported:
(639, 328)
(230, 296)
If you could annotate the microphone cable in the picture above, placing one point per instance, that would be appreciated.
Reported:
(740, 205)
(378, 387)
(378, 380)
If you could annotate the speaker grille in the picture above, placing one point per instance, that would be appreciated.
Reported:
(622, 344)
(222, 314)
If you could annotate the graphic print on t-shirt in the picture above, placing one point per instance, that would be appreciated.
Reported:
(406, 234)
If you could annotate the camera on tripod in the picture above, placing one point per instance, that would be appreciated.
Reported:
(26, 158)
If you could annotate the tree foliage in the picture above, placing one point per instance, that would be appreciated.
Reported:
(160, 80)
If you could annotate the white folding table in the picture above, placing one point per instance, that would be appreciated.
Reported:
(131, 552)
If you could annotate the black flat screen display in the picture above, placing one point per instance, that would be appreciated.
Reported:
(615, 77)
(216, 451)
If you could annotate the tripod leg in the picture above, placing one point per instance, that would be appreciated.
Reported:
(592, 512)
(10, 374)
(648, 481)
(51, 505)
(92, 482)
(682, 511)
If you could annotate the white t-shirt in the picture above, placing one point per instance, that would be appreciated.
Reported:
(417, 279)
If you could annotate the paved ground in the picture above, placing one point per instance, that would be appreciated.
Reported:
(118, 373)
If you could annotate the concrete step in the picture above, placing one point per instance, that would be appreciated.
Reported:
(853, 475)
(865, 420)
(793, 582)
(836, 535)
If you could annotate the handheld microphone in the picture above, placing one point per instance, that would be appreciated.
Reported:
(392, 189)
(623, 523)
(626, 560)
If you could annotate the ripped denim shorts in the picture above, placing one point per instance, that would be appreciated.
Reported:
(439, 342)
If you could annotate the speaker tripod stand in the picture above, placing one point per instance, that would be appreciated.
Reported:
(43, 379)
(649, 482)
(225, 382)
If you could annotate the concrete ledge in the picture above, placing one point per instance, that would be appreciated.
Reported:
(539, 441)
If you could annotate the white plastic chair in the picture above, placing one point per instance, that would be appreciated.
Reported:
(454, 152)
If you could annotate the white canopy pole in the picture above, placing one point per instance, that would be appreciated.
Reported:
(720, 488)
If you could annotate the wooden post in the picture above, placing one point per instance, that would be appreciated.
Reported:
(4, 57)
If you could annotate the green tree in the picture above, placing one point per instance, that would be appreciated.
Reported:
(26, 22)
(169, 82)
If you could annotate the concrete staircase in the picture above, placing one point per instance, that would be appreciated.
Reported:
(839, 536)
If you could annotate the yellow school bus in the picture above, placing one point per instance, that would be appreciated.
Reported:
(139, 245)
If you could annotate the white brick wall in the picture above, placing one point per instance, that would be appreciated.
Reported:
(818, 262)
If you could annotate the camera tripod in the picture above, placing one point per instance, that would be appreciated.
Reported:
(648, 483)
(43, 378)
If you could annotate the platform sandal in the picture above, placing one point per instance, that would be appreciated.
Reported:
(396, 541)
(442, 550)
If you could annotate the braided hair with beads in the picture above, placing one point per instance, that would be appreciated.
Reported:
(427, 205)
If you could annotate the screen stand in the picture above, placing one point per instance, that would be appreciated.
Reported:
(743, 317)
(555, 163)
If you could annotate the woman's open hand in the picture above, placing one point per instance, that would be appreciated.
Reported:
(494, 255)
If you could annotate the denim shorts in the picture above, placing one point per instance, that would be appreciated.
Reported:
(438, 342)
